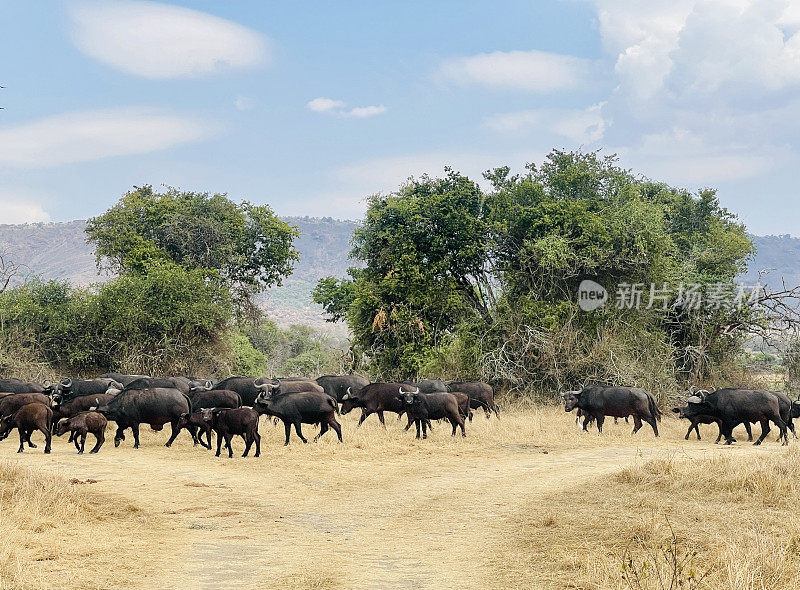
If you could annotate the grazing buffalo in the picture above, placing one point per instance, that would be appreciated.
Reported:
(17, 386)
(598, 401)
(26, 420)
(481, 395)
(230, 422)
(69, 389)
(733, 406)
(11, 403)
(121, 377)
(336, 386)
(305, 407)
(155, 407)
(80, 425)
(422, 407)
(375, 398)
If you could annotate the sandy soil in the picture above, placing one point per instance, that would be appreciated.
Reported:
(381, 510)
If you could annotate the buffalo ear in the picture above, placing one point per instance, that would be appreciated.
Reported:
(676, 410)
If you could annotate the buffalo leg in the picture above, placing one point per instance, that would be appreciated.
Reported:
(22, 440)
(257, 438)
(600, 420)
(749, 432)
(380, 417)
(101, 438)
(410, 423)
(323, 428)
(637, 423)
(28, 438)
(228, 441)
(299, 431)
(76, 442)
(456, 424)
(219, 443)
(119, 436)
(287, 426)
(208, 437)
(424, 429)
(175, 432)
(652, 422)
(363, 417)
(336, 427)
(764, 432)
(248, 442)
(418, 424)
(83, 443)
(135, 431)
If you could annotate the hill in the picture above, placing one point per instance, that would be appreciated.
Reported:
(59, 251)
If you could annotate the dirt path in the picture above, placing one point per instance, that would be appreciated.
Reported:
(395, 514)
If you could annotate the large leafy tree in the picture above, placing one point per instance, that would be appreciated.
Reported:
(245, 247)
(496, 273)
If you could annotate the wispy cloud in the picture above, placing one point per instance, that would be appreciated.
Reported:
(92, 135)
(580, 125)
(337, 107)
(162, 41)
(530, 71)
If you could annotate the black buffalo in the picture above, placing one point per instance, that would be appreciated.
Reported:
(247, 387)
(18, 386)
(230, 422)
(424, 407)
(70, 388)
(481, 395)
(428, 385)
(296, 409)
(733, 406)
(598, 401)
(376, 398)
(336, 386)
(155, 407)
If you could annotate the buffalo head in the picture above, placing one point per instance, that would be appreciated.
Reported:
(350, 400)
(571, 400)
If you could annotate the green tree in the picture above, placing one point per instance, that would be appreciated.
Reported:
(244, 247)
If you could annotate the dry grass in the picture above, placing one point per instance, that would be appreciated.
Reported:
(523, 501)
(714, 521)
(55, 533)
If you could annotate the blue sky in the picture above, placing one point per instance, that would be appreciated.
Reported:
(311, 106)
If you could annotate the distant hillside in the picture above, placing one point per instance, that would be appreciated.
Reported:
(59, 251)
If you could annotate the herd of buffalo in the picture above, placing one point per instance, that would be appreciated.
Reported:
(232, 407)
(227, 408)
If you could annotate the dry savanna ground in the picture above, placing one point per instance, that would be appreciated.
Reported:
(525, 501)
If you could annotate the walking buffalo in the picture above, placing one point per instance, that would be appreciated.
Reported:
(734, 406)
(80, 425)
(155, 407)
(230, 422)
(375, 398)
(295, 409)
(481, 395)
(422, 407)
(598, 401)
(26, 420)
(336, 386)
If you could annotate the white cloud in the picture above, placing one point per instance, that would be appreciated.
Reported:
(243, 103)
(162, 41)
(92, 135)
(324, 105)
(337, 107)
(20, 209)
(364, 112)
(580, 125)
(532, 71)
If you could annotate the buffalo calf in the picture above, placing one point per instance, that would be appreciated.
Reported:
(80, 425)
(423, 407)
(230, 422)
